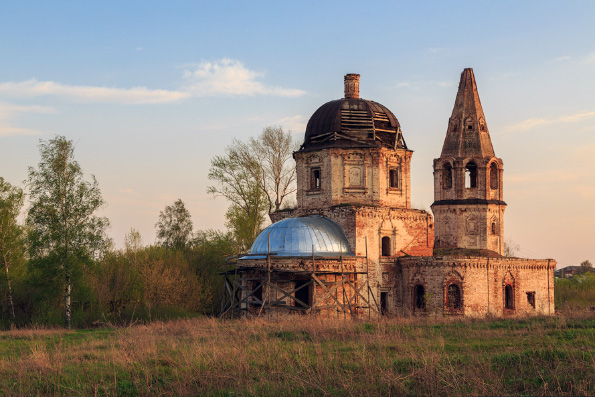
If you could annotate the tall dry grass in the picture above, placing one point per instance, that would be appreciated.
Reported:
(304, 356)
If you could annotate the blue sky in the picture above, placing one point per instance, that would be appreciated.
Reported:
(151, 91)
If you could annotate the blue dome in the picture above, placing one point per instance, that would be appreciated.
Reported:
(296, 236)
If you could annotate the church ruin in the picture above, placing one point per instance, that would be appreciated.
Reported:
(355, 247)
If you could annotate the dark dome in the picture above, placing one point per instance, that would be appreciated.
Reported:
(353, 122)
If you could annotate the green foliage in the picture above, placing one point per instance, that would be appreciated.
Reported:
(64, 235)
(246, 212)
(574, 293)
(12, 247)
(174, 228)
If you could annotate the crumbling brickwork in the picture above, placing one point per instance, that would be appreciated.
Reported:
(482, 284)
(354, 168)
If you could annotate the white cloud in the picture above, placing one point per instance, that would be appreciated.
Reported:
(9, 111)
(226, 77)
(295, 123)
(229, 77)
(446, 84)
(137, 95)
(6, 130)
(589, 59)
(529, 124)
(561, 58)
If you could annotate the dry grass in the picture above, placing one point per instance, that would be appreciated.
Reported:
(305, 356)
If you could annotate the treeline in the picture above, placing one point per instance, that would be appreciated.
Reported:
(138, 283)
(60, 267)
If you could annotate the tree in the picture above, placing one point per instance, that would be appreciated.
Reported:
(511, 248)
(268, 159)
(174, 228)
(586, 266)
(12, 245)
(246, 213)
(64, 234)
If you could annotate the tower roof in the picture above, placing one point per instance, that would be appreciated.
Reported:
(353, 122)
(467, 133)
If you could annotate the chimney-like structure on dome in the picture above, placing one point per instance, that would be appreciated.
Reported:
(468, 190)
(352, 85)
(468, 133)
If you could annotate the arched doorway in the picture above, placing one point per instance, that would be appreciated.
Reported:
(420, 297)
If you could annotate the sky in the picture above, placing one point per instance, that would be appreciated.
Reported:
(150, 91)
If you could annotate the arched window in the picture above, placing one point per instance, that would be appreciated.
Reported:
(508, 297)
(447, 176)
(453, 297)
(386, 246)
(494, 231)
(494, 176)
(471, 175)
(420, 297)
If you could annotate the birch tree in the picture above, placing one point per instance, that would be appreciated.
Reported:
(64, 234)
(11, 233)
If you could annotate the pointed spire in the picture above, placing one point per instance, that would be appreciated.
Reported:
(467, 133)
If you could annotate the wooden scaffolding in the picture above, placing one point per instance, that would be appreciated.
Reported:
(262, 291)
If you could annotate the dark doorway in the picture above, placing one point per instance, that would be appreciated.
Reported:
(508, 297)
(384, 303)
(385, 246)
(420, 297)
(257, 293)
(454, 297)
(302, 294)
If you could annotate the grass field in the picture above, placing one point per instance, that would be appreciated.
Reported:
(300, 355)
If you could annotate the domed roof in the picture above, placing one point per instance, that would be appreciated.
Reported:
(353, 122)
(296, 236)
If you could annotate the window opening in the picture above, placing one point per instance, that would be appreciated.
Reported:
(384, 303)
(531, 298)
(420, 297)
(469, 127)
(393, 178)
(508, 297)
(302, 293)
(494, 176)
(385, 246)
(447, 176)
(315, 181)
(471, 175)
(257, 293)
(494, 228)
(453, 297)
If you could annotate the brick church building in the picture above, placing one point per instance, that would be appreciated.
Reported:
(354, 246)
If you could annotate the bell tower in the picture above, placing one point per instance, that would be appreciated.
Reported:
(468, 199)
